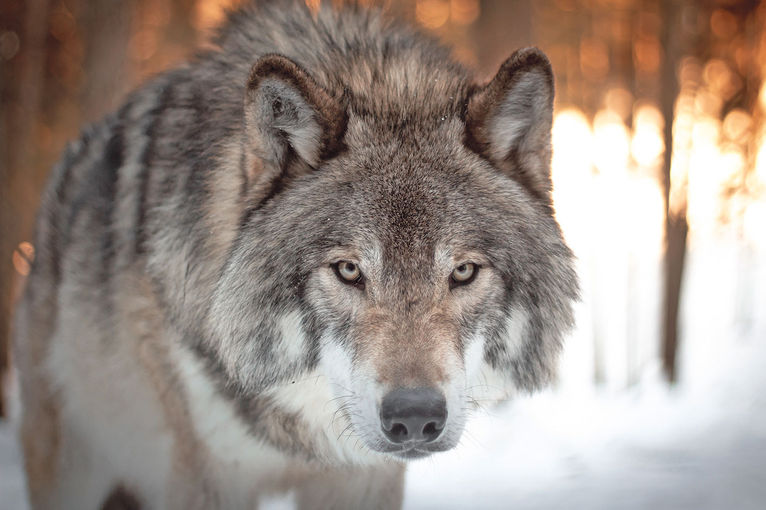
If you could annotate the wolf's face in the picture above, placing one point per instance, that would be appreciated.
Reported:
(406, 264)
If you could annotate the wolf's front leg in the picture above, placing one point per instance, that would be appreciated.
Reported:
(374, 488)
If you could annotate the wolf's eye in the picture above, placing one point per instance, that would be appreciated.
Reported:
(349, 273)
(463, 274)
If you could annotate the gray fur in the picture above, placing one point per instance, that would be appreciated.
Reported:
(221, 187)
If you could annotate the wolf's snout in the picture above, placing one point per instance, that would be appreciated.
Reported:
(413, 415)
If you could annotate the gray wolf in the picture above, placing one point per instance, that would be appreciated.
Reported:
(290, 265)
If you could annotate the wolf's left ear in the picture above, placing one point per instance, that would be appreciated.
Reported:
(292, 123)
(508, 121)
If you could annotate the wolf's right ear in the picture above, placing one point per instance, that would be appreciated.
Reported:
(508, 120)
(292, 123)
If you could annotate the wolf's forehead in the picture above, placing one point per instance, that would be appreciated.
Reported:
(409, 195)
(400, 239)
(407, 210)
(407, 229)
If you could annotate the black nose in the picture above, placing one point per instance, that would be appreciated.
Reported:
(413, 415)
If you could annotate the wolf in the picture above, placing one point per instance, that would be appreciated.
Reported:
(289, 266)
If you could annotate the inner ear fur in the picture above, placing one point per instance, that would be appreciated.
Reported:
(508, 120)
(292, 123)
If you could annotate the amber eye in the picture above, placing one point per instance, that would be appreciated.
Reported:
(349, 273)
(463, 274)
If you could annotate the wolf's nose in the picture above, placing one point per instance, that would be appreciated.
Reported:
(413, 415)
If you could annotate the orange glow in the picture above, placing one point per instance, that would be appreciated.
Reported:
(736, 125)
(723, 24)
(566, 5)
(62, 23)
(466, 56)
(720, 79)
(707, 103)
(313, 5)
(432, 14)
(690, 73)
(464, 12)
(620, 101)
(157, 16)
(210, 13)
(143, 45)
(647, 55)
(22, 258)
(594, 58)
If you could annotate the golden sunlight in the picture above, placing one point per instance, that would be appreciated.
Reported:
(464, 12)
(647, 145)
(611, 142)
(432, 14)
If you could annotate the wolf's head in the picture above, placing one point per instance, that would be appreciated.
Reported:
(399, 238)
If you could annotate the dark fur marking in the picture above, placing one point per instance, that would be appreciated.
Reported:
(61, 185)
(99, 184)
(113, 160)
(147, 158)
(243, 173)
(105, 205)
(202, 157)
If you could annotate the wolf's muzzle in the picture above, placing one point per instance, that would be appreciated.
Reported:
(413, 416)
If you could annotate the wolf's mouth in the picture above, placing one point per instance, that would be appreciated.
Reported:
(414, 450)
(411, 453)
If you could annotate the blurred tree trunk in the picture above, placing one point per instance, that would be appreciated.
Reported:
(22, 98)
(106, 28)
(676, 227)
